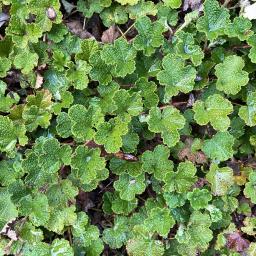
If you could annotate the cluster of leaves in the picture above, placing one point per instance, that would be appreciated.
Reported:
(155, 128)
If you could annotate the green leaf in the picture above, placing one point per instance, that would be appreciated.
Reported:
(150, 35)
(117, 54)
(84, 234)
(39, 248)
(130, 142)
(176, 76)
(148, 247)
(215, 110)
(29, 233)
(215, 213)
(167, 122)
(94, 249)
(143, 244)
(36, 208)
(126, 102)
(248, 112)
(78, 75)
(110, 133)
(93, 184)
(174, 200)
(61, 247)
(157, 162)
(63, 125)
(118, 235)
(249, 226)
(129, 2)
(250, 190)
(160, 221)
(148, 90)
(119, 166)
(9, 134)
(83, 121)
(61, 218)
(198, 234)
(26, 61)
(89, 7)
(230, 74)
(214, 20)
(252, 53)
(60, 193)
(10, 171)
(141, 9)
(55, 81)
(186, 48)
(241, 28)
(219, 147)
(120, 206)
(106, 100)
(167, 15)
(100, 71)
(48, 155)
(64, 100)
(113, 203)
(88, 47)
(38, 110)
(128, 186)
(199, 198)
(172, 3)
(220, 178)
(5, 65)
(57, 33)
(182, 180)
(115, 14)
(60, 60)
(85, 163)
(7, 99)
(252, 249)
(8, 209)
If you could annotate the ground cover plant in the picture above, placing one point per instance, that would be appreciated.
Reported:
(127, 127)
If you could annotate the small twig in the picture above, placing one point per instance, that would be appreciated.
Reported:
(121, 32)
(84, 23)
(142, 199)
(69, 236)
(96, 210)
(205, 45)
(124, 33)
(129, 29)
(106, 186)
(178, 103)
(246, 46)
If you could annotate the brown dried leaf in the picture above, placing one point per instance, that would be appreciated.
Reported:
(195, 157)
(84, 201)
(192, 4)
(236, 242)
(39, 81)
(3, 18)
(76, 27)
(110, 35)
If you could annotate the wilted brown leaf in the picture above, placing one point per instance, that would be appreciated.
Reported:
(236, 242)
(3, 18)
(76, 27)
(39, 81)
(110, 35)
(192, 4)
(187, 154)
